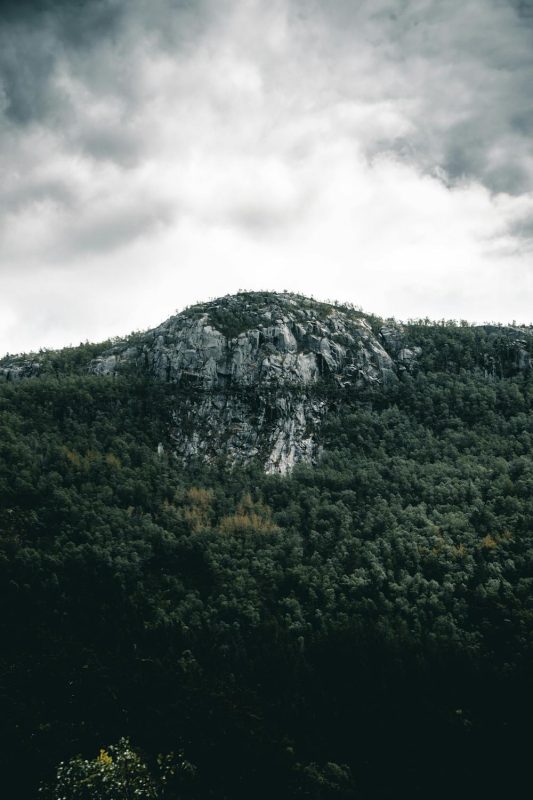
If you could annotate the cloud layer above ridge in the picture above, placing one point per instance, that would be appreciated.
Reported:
(158, 153)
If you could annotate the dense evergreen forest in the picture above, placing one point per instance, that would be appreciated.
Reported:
(357, 629)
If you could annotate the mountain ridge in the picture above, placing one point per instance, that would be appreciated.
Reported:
(248, 367)
(253, 373)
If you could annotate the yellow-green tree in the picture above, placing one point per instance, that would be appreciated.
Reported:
(117, 773)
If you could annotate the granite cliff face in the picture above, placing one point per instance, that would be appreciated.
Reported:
(251, 365)
(283, 343)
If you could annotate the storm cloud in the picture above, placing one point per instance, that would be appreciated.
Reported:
(157, 153)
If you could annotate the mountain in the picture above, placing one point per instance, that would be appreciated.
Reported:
(271, 548)
(249, 367)
(255, 373)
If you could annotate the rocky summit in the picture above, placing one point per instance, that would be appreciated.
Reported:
(253, 374)
(251, 366)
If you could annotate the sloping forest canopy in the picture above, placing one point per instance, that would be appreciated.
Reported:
(359, 629)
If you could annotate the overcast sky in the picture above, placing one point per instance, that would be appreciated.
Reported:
(155, 153)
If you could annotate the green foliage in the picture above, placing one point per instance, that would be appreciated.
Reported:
(323, 782)
(67, 361)
(360, 629)
(120, 773)
(493, 350)
(115, 774)
(232, 322)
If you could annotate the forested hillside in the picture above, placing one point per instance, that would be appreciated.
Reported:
(359, 627)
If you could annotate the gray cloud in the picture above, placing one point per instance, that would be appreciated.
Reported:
(178, 130)
(468, 65)
(108, 230)
(35, 35)
(17, 198)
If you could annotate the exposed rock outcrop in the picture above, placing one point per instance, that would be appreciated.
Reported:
(289, 344)
(250, 364)
(395, 340)
(16, 368)
(514, 343)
